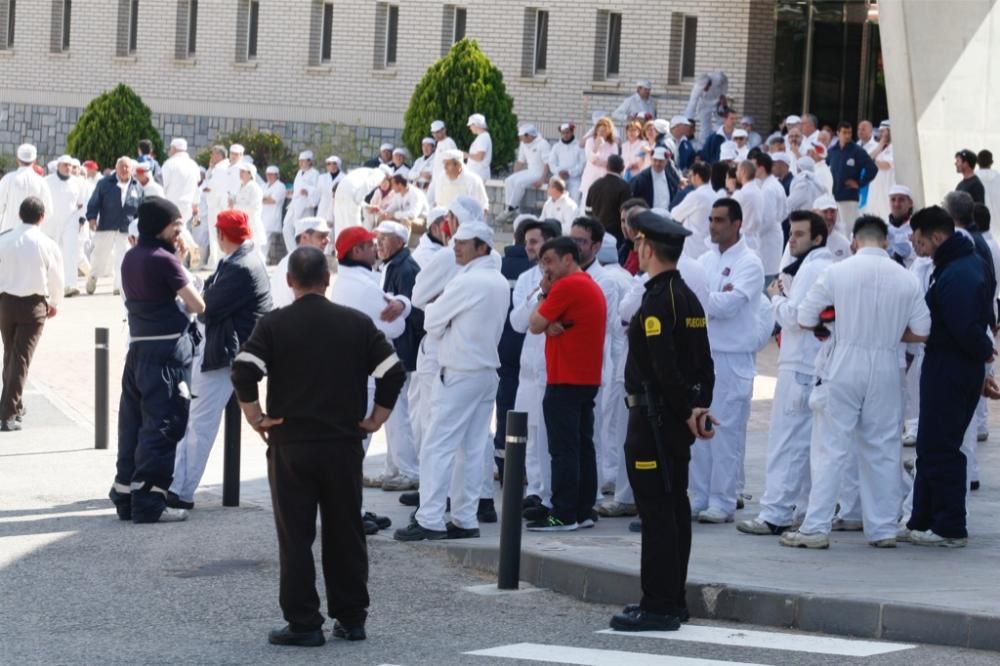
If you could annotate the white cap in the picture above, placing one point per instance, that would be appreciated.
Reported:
(746, 120)
(477, 119)
(728, 151)
(884, 125)
(385, 169)
(474, 229)
(133, 228)
(806, 163)
(75, 162)
(466, 210)
(51, 166)
(385, 146)
(740, 133)
(436, 213)
(333, 159)
(399, 151)
(65, 159)
(566, 126)
(243, 165)
(391, 228)
(304, 224)
(179, 144)
(437, 126)
(662, 125)
(527, 130)
(659, 153)
(428, 139)
(679, 120)
(782, 156)
(27, 152)
(306, 155)
(452, 154)
(901, 189)
(824, 202)
(237, 148)
(643, 83)
(608, 253)
(793, 120)
(273, 169)
(143, 166)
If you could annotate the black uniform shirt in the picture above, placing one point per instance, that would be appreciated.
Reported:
(668, 347)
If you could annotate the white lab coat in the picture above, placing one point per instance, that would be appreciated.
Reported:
(271, 212)
(535, 157)
(425, 251)
(422, 169)
(563, 209)
(482, 143)
(772, 239)
(990, 179)
(152, 188)
(877, 201)
(804, 191)
(62, 222)
(180, 182)
(410, 206)
(751, 200)
(443, 145)
(303, 204)
(17, 186)
(358, 287)
(607, 455)
(633, 106)
(858, 405)
(325, 185)
(444, 190)
(837, 244)
(350, 197)
(568, 157)
(704, 98)
(693, 212)
(250, 199)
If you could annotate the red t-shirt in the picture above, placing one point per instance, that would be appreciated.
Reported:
(576, 356)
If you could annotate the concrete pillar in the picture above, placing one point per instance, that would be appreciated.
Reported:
(942, 70)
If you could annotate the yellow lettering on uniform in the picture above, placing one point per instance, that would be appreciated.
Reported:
(653, 326)
(645, 464)
(695, 322)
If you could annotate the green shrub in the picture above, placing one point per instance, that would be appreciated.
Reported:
(111, 126)
(456, 86)
(266, 148)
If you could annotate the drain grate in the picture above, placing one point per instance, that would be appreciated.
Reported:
(218, 568)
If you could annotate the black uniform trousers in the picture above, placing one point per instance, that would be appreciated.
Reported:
(506, 396)
(304, 476)
(21, 321)
(569, 423)
(950, 387)
(666, 516)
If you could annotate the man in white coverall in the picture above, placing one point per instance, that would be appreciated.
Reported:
(304, 197)
(351, 193)
(62, 222)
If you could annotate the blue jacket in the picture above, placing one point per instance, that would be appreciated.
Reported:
(400, 274)
(960, 303)
(986, 256)
(236, 296)
(713, 146)
(515, 261)
(642, 185)
(685, 154)
(105, 204)
(851, 162)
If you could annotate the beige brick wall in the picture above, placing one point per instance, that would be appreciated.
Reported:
(732, 35)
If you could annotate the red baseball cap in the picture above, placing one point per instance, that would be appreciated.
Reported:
(91, 164)
(351, 237)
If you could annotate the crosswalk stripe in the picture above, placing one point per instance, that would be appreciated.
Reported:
(770, 640)
(563, 654)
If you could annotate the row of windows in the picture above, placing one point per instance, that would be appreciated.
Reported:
(607, 50)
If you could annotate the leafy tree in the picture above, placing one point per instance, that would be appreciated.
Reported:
(456, 86)
(266, 148)
(111, 126)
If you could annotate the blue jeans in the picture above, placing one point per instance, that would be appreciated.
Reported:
(569, 423)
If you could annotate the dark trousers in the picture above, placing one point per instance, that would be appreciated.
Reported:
(666, 516)
(152, 418)
(950, 386)
(569, 423)
(506, 396)
(21, 322)
(327, 475)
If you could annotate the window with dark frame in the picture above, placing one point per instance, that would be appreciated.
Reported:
(11, 13)
(66, 22)
(326, 39)
(689, 40)
(391, 34)
(192, 29)
(133, 28)
(541, 41)
(460, 16)
(614, 45)
(252, 26)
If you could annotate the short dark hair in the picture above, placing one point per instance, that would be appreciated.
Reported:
(720, 170)
(592, 226)
(632, 203)
(307, 267)
(931, 219)
(733, 208)
(665, 251)
(960, 206)
(985, 159)
(754, 153)
(981, 216)
(549, 228)
(32, 210)
(702, 170)
(871, 226)
(817, 226)
(561, 246)
(765, 162)
(967, 156)
(843, 124)
(616, 164)
(399, 179)
(145, 146)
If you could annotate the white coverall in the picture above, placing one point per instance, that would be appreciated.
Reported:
(350, 197)
(250, 200)
(325, 186)
(17, 186)
(180, 182)
(605, 450)
(705, 94)
(693, 212)
(303, 204)
(568, 158)
(535, 157)
(62, 221)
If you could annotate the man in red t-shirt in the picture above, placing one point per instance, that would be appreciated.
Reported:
(572, 314)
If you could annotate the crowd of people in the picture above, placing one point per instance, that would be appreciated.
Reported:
(885, 318)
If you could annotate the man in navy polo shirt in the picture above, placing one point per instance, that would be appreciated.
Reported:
(156, 393)
(852, 170)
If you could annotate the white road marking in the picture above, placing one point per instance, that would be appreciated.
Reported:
(770, 640)
(563, 654)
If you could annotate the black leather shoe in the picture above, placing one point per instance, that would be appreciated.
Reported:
(370, 527)
(349, 633)
(632, 609)
(456, 532)
(410, 499)
(643, 621)
(11, 425)
(383, 522)
(175, 502)
(414, 532)
(286, 636)
(487, 512)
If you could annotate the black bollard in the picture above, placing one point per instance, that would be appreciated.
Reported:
(509, 569)
(101, 400)
(231, 453)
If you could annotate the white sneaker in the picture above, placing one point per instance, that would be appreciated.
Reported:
(173, 515)
(613, 509)
(889, 542)
(803, 540)
(759, 526)
(843, 525)
(373, 481)
(714, 515)
(903, 533)
(910, 439)
(91, 284)
(400, 482)
(929, 538)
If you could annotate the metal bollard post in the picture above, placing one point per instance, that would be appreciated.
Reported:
(509, 569)
(101, 400)
(231, 453)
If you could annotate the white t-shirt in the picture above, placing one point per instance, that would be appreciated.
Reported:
(482, 143)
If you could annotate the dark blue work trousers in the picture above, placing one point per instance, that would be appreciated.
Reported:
(569, 423)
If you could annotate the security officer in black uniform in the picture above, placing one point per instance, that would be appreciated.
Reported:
(669, 377)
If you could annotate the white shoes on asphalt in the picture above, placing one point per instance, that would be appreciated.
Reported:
(843, 525)
(399, 482)
(796, 539)
(613, 509)
(715, 516)
(173, 515)
(929, 538)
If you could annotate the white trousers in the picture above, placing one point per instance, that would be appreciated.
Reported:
(515, 186)
(108, 246)
(715, 465)
(214, 250)
(210, 391)
(911, 391)
(614, 427)
(69, 244)
(859, 418)
(420, 396)
(846, 216)
(401, 450)
(787, 478)
(537, 461)
(451, 463)
(489, 466)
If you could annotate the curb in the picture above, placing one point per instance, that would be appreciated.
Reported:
(861, 618)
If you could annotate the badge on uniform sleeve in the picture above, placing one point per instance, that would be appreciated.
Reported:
(653, 326)
(645, 464)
